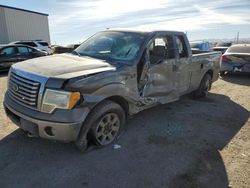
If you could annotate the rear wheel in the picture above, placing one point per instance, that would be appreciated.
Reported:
(222, 73)
(106, 122)
(204, 87)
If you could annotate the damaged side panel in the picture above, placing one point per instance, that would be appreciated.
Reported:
(161, 80)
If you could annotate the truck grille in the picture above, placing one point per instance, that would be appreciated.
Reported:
(23, 90)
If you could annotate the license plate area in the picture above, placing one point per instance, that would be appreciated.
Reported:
(237, 69)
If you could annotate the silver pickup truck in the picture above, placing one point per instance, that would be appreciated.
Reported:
(87, 95)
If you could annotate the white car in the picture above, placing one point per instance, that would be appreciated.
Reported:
(39, 44)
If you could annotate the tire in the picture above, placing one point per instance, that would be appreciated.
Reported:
(105, 123)
(204, 87)
(222, 73)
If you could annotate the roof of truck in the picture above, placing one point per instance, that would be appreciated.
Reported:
(141, 30)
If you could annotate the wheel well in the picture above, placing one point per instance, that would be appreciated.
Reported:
(117, 99)
(210, 72)
(121, 101)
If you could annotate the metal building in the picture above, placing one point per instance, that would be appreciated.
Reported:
(19, 24)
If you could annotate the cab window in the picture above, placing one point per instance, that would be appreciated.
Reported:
(161, 48)
(181, 46)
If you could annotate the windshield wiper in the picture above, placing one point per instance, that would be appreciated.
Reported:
(75, 53)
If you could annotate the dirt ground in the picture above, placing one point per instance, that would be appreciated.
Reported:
(189, 143)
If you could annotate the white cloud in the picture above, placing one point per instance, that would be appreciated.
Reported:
(206, 17)
(113, 8)
(104, 9)
(216, 17)
(90, 16)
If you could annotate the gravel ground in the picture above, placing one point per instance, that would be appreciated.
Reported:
(189, 143)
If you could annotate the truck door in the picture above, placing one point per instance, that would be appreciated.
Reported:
(183, 61)
(159, 78)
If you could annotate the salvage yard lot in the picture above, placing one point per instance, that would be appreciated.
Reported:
(189, 143)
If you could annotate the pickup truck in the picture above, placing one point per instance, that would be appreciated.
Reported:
(86, 96)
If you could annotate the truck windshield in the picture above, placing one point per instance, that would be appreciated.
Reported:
(112, 45)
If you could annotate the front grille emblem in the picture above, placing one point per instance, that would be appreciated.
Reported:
(15, 87)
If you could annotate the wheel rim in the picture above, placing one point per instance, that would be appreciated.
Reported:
(107, 128)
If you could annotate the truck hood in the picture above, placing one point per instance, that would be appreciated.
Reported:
(64, 66)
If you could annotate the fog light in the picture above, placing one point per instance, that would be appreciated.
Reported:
(49, 131)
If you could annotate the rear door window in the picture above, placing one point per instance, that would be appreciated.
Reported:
(22, 50)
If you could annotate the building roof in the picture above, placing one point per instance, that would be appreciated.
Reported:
(4, 6)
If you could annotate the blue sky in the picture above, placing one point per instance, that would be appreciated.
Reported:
(75, 20)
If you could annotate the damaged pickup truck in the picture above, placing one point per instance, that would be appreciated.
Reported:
(88, 95)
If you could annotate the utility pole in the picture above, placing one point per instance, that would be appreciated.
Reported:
(237, 38)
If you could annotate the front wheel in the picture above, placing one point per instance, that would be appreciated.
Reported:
(107, 129)
(106, 122)
(204, 87)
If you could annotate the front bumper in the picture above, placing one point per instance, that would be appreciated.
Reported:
(56, 126)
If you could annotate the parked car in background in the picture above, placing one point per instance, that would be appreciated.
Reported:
(236, 59)
(200, 47)
(221, 49)
(39, 44)
(222, 46)
(10, 54)
(73, 46)
(64, 49)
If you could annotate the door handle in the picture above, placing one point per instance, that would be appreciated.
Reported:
(202, 66)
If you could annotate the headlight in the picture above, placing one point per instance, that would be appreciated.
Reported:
(59, 99)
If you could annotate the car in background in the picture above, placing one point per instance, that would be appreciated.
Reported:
(10, 54)
(64, 49)
(222, 46)
(236, 59)
(221, 49)
(200, 47)
(39, 44)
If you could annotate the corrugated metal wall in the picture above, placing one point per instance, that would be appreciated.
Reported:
(4, 38)
(23, 25)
